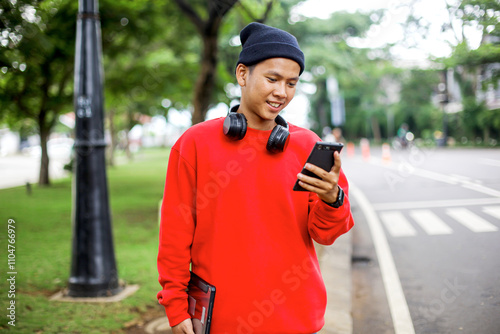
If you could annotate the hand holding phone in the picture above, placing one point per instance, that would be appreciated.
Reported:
(321, 156)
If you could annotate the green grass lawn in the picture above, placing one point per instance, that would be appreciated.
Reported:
(43, 250)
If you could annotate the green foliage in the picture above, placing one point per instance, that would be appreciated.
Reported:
(150, 53)
(324, 43)
(360, 72)
(470, 117)
(476, 117)
(483, 55)
(36, 60)
(415, 107)
(485, 13)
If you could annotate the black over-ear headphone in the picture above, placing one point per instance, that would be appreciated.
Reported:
(235, 127)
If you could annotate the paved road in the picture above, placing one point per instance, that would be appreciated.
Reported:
(429, 238)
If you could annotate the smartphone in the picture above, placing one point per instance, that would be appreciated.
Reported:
(321, 156)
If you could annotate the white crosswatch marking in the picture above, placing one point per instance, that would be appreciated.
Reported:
(397, 224)
(471, 220)
(430, 222)
(435, 204)
(493, 211)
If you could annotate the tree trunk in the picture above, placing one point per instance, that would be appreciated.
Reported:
(206, 80)
(209, 32)
(375, 129)
(43, 178)
(486, 135)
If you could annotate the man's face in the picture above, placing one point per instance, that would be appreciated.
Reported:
(266, 90)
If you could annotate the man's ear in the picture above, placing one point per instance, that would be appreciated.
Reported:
(242, 72)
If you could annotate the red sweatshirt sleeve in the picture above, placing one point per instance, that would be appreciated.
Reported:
(326, 223)
(176, 236)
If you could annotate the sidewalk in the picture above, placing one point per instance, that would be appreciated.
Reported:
(19, 169)
(335, 263)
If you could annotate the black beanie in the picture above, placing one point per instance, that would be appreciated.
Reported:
(261, 42)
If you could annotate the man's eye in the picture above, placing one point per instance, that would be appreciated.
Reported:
(292, 84)
(272, 79)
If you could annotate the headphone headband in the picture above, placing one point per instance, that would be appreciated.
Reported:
(281, 121)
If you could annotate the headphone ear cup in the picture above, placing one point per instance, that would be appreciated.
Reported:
(235, 126)
(278, 140)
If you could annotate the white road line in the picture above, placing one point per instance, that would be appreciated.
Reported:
(397, 302)
(430, 222)
(491, 162)
(434, 204)
(456, 179)
(411, 170)
(481, 189)
(493, 211)
(397, 224)
(471, 220)
(461, 178)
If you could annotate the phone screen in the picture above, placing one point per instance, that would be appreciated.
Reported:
(321, 156)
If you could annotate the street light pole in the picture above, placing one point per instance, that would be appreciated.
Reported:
(93, 265)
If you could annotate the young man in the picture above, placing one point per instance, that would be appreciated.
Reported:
(230, 211)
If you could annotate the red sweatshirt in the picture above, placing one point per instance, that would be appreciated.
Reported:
(229, 209)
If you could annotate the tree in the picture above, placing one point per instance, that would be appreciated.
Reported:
(415, 107)
(329, 54)
(478, 68)
(150, 54)
(36, 59)
(207, 22)
(475, 67)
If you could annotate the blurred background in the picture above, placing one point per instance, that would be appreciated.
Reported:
(373, 68)
(411, 87)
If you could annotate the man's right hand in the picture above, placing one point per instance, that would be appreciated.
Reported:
(185, 327)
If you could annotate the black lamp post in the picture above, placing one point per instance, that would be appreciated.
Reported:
(93, 266)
